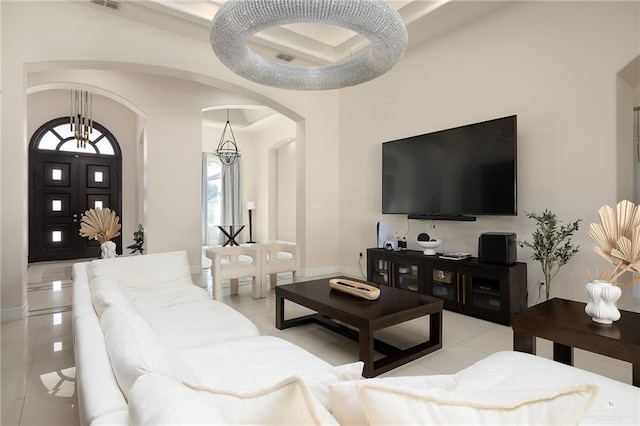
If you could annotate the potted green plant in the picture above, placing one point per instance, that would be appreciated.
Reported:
(138, 241)
(551, 244)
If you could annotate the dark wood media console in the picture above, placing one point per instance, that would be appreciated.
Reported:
(483, 290)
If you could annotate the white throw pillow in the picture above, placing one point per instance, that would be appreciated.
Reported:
(143, 270)
(158, 400)
(319, 381)
(105, 292)
(386, 405)
(134, 349)
(345, 404)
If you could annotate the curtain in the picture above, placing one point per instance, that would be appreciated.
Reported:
(207, 195)
(231, 208)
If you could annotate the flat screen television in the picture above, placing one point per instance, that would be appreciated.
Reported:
(457, 173)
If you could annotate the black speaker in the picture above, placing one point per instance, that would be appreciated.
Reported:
(497, 247)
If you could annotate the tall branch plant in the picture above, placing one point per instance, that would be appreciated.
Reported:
(551, 244)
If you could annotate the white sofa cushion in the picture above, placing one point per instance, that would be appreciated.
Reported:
(157, 400)
(198, 324)
(105, 292)
(550, 406)
(164, 295)
(134, 349)
(345, 404)
(96, 386)
(250, 364)
(516, 370)
(143, 270)
(81, 294)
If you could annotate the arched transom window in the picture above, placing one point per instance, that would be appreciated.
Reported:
(56, 135)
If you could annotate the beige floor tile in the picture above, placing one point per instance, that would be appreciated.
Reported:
(59, 350)
(10, 412)
(15, 354)
(50, 377)
(453, 359)
(16, 332)
(414, 368)
(46, 409)
(51, 327)
(43, 299)
(342, 352)
(14, 382)
(494, 340)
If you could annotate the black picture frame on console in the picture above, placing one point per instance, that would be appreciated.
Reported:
(453, 174)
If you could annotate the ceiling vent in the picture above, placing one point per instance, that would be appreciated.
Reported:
(285, 57)
(111, 4)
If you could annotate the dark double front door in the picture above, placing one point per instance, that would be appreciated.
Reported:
(62, 187)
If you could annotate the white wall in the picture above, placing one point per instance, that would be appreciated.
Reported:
(279, 130)
(286, 191)
(39, 44)
(554, 64)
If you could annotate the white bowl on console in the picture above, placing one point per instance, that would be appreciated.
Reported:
(430, 246)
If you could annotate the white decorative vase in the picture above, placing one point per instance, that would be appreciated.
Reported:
(108, 249)
(430, 246)
(601, 306)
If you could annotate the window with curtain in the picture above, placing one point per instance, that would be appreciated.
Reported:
(220, 198)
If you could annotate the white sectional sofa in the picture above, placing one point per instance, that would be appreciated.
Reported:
(152, 348)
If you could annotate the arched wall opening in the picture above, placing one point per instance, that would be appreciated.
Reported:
(124, 87)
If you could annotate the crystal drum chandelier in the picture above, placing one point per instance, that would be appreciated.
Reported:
(80, 119)
(227, 150)
(237, 20)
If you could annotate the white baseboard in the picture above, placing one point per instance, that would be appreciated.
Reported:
(16, 313)
(354, 272)
(319, 271)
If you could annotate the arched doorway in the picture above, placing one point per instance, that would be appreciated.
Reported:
(66, 180)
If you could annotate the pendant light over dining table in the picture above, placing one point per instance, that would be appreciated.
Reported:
(227, 150)
(238, 20)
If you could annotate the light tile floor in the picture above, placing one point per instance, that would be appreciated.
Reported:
(38, 366)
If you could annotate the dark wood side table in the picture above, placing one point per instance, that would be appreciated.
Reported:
(565, 323)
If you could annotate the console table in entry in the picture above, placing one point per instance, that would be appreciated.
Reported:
(565, 323)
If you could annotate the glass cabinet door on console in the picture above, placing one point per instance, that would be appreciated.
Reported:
(396, 269)
(407, 276)
(485, 297)
(446, 283)
(379, 271)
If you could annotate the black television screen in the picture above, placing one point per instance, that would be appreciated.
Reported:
(467, 170)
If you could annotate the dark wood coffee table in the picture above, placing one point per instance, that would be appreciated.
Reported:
(394, 306)
(566, 324)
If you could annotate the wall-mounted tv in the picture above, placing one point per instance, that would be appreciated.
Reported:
(457, 173)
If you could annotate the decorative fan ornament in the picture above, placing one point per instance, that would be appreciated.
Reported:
(100, 224)
(618, 240)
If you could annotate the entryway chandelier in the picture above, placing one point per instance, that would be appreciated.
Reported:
(80, 119)
(227, 150)
(377, 20)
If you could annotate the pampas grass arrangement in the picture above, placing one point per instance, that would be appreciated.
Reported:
(618, 241)
(100, 224)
